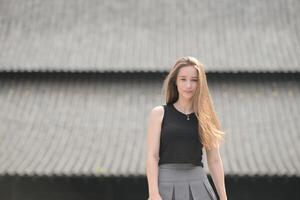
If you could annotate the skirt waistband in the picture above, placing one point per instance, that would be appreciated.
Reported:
(178, 166)
(180, 172)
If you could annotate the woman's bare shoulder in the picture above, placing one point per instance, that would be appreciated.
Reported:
(158, 109)
(157, 112)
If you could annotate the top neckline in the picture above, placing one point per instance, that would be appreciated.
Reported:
(172, 105)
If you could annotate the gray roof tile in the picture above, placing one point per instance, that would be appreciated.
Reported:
(148, 35)
(96, 125)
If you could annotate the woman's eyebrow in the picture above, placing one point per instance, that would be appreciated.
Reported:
(192, 77)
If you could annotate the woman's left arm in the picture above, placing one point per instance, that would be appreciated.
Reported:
(215, 166)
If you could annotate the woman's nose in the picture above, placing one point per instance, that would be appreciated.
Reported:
(188, 83)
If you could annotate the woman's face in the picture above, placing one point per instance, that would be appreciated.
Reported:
(187, 81)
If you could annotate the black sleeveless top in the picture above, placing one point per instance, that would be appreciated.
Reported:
(179, 140)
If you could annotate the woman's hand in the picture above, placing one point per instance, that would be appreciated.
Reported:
(155, 197)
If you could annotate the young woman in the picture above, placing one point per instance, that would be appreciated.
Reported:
(176, 135)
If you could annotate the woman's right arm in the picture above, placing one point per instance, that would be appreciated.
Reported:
(153, 142)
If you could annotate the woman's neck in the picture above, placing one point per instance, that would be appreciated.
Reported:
(184, 106)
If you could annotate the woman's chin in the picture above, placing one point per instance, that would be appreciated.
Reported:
(187, 96)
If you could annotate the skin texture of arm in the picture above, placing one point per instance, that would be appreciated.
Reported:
(215, 166)
(153, 142)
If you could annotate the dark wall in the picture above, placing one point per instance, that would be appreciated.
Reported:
(29, 188)
(259, 188)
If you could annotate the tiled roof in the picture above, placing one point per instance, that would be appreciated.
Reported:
(149, 35)
(94, 125)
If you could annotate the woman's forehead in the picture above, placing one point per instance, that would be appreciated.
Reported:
(188, 71)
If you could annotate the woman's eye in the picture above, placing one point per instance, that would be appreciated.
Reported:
(192, 80)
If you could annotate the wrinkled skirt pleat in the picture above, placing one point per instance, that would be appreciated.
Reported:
(184, 181)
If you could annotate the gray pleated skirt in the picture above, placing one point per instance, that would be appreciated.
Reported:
(184, 181)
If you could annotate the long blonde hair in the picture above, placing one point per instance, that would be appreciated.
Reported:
(209, 128)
